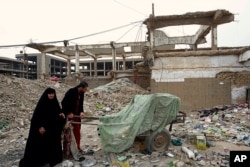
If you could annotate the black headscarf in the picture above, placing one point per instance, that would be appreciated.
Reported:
(45, 104)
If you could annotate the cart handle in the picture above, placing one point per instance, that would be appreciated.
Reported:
(87, 117)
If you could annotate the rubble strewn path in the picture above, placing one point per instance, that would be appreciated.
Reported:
(225, 127)
(18, 98)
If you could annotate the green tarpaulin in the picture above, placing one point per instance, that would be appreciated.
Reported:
(144, 112)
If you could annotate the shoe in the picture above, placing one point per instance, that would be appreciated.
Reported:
(81, 159)
(89, 152)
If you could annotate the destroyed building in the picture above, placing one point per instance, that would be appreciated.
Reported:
(201, 77)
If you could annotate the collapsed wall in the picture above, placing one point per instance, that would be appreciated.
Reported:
(202, 81)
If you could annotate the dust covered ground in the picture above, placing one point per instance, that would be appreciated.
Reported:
(18, 98)
(228, 126)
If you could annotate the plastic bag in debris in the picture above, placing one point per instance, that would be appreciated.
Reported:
(88, 162)
(67, 163)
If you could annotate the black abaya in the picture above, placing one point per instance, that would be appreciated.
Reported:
(41, 149)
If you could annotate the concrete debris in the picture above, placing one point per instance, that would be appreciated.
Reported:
(18, 98)
(112, 97)
(220, 129)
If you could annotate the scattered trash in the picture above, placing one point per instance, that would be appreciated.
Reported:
(201, 142)
(67, 163)
(229, 123)
(106, 109)
(179, 164)
(121, 158)
(188, 152)
(170, 155)
(210, 143)
(88, 162)
(176, 142)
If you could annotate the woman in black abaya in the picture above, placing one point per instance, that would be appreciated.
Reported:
(44, 141)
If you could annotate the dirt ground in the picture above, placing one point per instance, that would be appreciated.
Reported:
(13, 151)
(162, 160)
(18, 98)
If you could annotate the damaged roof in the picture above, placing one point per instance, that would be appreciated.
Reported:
(214, 17)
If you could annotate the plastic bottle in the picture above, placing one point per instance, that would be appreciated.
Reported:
(188, 152)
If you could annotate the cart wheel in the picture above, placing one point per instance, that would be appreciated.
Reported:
(158, 141)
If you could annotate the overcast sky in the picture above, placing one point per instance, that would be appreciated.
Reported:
(55, 20)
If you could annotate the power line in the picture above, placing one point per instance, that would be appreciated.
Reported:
(105, 31)
(130, 8)
(50, 42)
(126, 32)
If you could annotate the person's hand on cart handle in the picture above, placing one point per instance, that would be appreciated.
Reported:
(62, 115)
(82, 115)
(70, 115)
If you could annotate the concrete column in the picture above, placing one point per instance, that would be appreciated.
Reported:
(112, 44)
(124, 63)
(95, 67)
(214, 37)
(114, 62)
(43, 65)
(68, 67)
(77, 58)
(114, 59)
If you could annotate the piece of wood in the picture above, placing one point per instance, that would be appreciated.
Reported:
(88, 117)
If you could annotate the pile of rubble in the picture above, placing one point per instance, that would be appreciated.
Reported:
(223, 128)
(111, 98)
(18, 98)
